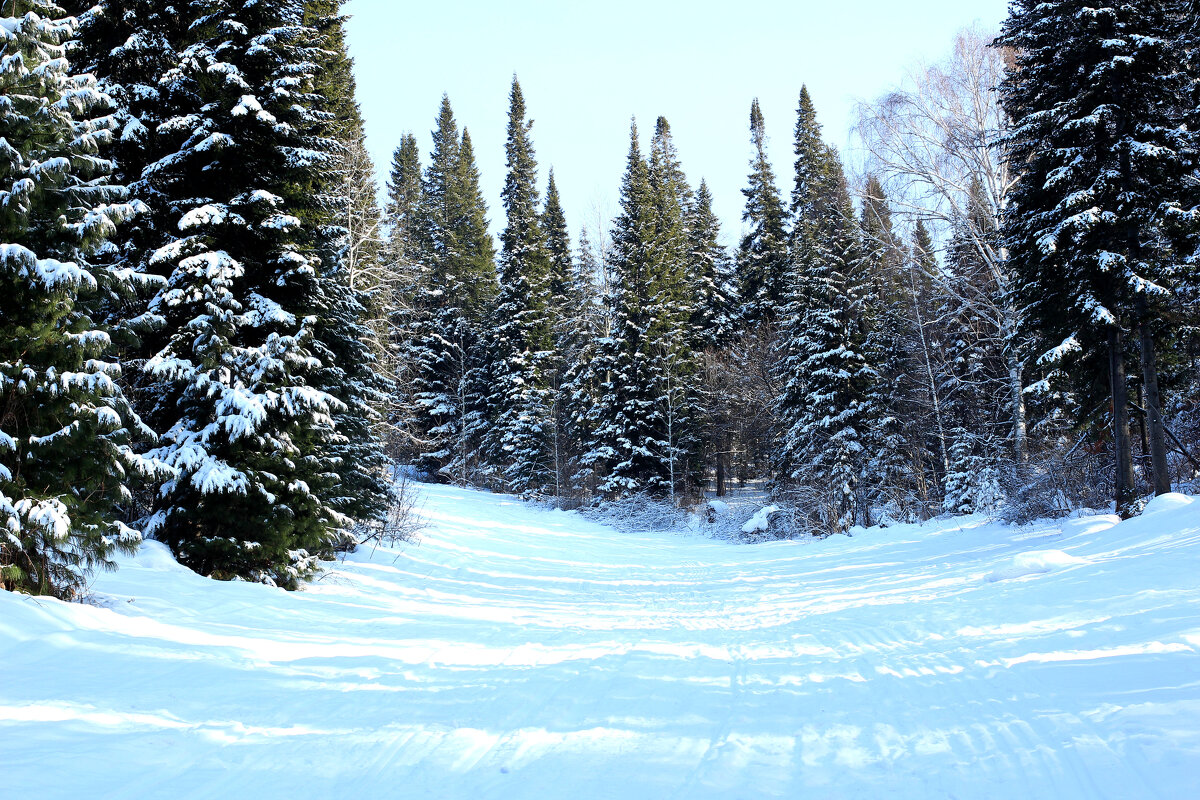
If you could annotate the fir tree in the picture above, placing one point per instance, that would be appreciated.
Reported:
(565, 297)
(581, 334)
(400, 256)
(887, 471)
(66, 464)
(814, 212)
(404, 199)
(558, 247)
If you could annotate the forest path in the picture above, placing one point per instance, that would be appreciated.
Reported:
(521, 653)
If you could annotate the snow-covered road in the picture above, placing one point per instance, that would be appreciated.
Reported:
(520, 653)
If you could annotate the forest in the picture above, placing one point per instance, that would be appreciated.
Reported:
(219, 330)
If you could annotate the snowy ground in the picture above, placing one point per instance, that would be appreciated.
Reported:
(520, 653)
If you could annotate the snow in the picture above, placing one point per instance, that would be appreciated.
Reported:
(760, 521)
(521, 653)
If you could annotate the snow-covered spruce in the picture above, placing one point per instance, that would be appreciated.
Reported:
(66, 464)
(245, 420)
(521, 341)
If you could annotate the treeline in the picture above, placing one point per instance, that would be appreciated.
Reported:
(212, 334)
(947, 332)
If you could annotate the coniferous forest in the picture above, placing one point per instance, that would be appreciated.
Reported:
(219, 331)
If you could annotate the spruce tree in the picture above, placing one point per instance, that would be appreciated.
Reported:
(558, 247)
(827, 402)
(641, 424)
(244, 421)
(762, 258)
(888, 468)
(564, 300)
(404, 199)
(1098, 153)
(400, 256)
(813, 212)
(581, 334)
(129, 47)
(522, 333)
(354, 286)
(66, 464)
(710, 275)
(451, 286)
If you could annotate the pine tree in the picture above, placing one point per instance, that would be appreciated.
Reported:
(1099, 156)
(762, 259)
(66, 464)
(245, 425)
(522, 334)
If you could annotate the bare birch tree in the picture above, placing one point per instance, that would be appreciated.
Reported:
(932, 143)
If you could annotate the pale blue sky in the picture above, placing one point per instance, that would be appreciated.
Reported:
(587, 68)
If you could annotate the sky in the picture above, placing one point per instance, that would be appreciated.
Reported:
(586, 69)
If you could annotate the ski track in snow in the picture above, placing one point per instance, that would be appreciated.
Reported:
(521, 653)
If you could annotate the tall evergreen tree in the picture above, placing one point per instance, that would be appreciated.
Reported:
(401, 257)
(581, 336)
(66, 464)
(451, 289)
(404, 199)
(1099, 156)
(564, 299)
(244, 422)
(888, 477)
(710, 274)
(354, 286)
(826, 405)
(558, 247)
(762, 259)
(640, 424)
(522, 331)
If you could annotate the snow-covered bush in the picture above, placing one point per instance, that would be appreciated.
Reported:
(639, 513)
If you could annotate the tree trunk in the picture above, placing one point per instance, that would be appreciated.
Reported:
(1123, 491)
(722, 450)
(1158, 440)
(1020, 426)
